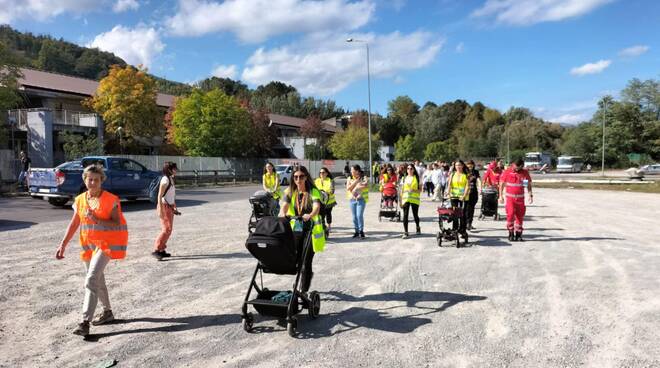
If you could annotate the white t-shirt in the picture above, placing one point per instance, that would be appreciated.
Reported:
(169, 195)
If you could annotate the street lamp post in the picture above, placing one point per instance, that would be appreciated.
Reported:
(369, 99)
(121, 145)
(602, 163)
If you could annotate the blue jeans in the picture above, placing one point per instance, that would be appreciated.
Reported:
(357, 210)
(21, 178)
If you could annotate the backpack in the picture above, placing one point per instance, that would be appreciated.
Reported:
(154, 187)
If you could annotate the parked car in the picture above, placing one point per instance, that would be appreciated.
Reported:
(284, 171)
(126, 178)
(653, 169)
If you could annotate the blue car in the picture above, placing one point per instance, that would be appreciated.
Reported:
(126, 178)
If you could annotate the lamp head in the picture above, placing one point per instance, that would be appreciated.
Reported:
(349, 40)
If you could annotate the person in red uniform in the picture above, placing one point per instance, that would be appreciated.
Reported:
(493, 174)
(514, 179)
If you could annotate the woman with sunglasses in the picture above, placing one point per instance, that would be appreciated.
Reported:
(410, 198)
(302, 203)
(458, 189)
(357, 191)
(326, 183)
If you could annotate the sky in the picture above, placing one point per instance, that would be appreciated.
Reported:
(555, 57)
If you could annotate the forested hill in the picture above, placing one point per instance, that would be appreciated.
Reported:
(59, 56)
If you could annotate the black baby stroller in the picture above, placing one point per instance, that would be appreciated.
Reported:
(272, 244)
(448, 218)
(489, 203)
(263, 204)
(389, 204)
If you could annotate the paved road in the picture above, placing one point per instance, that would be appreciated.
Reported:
(20, 212)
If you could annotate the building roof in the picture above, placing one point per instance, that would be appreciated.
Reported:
(293, 122)
(65, 83)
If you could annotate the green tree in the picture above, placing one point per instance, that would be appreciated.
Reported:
(53, 57)
(645, 94)
(211, 124)
(404, 110)
(126, 98)
(228, 86)
(439, 151)
(77, 146)
(406, 149)
(353, 144)
(9, 97)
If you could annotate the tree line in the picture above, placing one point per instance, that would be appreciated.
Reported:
(224, 117)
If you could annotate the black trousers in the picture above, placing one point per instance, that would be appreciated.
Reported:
(460, 222)
(469, 207)
(415, 210)
(429, 189)
(326, 214)
(299, 238)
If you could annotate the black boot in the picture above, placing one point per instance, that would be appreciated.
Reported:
(519, 236)
(356, 234)
(361, 234)
(511, 238)
(419, 230)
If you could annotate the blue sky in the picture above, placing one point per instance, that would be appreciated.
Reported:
(556, 57)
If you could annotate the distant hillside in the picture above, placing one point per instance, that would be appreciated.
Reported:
(59, 56)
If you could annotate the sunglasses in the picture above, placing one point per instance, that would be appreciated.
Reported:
(298, 177)
(322, 172)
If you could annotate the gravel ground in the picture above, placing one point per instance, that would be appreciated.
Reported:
(582, 290)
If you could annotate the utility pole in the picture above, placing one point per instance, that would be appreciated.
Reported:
(602, 164)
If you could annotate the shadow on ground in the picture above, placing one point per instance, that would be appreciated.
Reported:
(207, 256)
(173, 324)
(15, 225)
(353, 318)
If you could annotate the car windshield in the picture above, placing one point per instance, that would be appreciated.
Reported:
(70, 165)
(565, 161)
(281, 167)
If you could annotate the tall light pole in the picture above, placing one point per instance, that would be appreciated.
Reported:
(602, 162)
(121, 145)
(369, 97)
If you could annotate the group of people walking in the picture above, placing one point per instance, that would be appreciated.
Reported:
(308, 202)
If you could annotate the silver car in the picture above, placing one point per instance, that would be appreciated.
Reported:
(653, 169)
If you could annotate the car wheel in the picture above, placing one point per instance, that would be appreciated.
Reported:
(285, 182)
(58, 202)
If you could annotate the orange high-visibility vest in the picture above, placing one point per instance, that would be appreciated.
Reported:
(112, 240)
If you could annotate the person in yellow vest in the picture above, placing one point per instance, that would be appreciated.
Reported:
(271, 184)
(302, 203)
(458, 190)
(410, 198)
(357, 192)
(326, 183)
(103, 236)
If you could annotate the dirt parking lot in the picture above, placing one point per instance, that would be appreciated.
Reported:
(582, 290)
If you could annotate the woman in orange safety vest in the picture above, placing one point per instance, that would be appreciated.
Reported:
(103, 236)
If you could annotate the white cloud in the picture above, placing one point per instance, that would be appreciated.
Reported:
(258, 20)
(634, 51)
(124, 5)
(591, 68)
(41, 10)
(136, 46)
(225, 71)
(526, 12)
(325, 64)
(460, 48)
(570, 118)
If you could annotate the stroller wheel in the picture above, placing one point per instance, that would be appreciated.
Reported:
(247, 322)
(291, 327)
(315, 304)
(481, 217)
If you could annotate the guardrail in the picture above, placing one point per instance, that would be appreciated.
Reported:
(197, 177)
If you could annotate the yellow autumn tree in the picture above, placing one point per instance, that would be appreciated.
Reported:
(126, 98)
